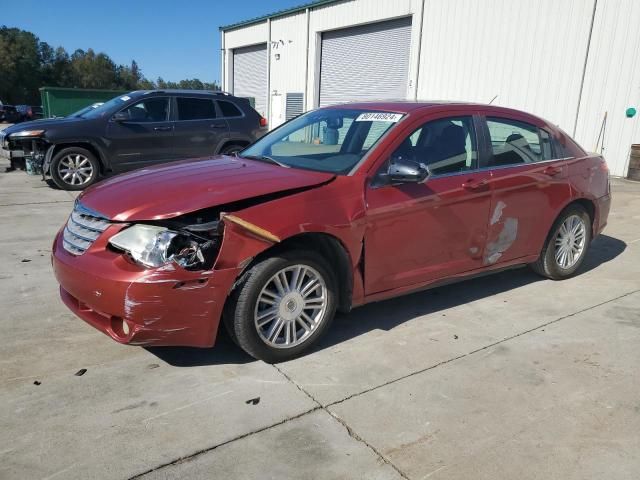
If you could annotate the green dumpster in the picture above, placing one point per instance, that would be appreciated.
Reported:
(60, 102)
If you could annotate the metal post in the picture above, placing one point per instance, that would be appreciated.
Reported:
(584, 68)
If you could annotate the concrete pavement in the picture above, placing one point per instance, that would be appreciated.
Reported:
(508, 376)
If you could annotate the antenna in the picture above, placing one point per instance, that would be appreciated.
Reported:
(493, 99)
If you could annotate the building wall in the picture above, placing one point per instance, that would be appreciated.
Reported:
(347, 14)
(612, 83)
(528, 54)
(242, 37)
(477, 50)
(288, 58)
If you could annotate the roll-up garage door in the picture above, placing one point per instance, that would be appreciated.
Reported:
(250, 75)
(368, 62)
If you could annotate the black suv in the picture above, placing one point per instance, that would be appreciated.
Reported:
(131, 131)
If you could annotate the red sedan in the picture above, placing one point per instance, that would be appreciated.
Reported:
(337, 208)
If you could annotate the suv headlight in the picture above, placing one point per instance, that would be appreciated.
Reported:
(154, 246)
(26, 133)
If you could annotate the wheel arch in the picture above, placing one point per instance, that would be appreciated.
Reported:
(333, 252)
(57, 147)
(232, 141)
(586, 203)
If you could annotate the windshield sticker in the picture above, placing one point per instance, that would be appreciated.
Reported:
(125, 98)
(379, 117)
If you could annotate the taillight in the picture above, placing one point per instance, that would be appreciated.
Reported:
(263, 122)
(603, 165)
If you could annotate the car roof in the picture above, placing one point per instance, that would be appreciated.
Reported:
(400, 106)
(408, 106)
(171, 91)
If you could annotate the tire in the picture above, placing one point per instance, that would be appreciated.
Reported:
(81, 166)
(282, 315)
(232, 149)
(555, 262)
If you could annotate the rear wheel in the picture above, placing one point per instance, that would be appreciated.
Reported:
(566, 245)
(74, 168)
(282, 306)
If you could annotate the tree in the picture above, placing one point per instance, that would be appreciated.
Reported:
(26, 64)
(19, 60)
(129, 77)
(94, 70)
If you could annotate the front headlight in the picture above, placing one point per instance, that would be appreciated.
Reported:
(154, 246)
(26, 133)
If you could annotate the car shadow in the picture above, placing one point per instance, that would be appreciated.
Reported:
(388, 314)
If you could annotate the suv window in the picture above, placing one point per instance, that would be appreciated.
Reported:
(149, 110)
(229, 109)
(514, 142)
(195, 108)
(445, 145)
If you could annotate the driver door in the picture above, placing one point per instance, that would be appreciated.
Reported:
(144, 138)
(420, 232)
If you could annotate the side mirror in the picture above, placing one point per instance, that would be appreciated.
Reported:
(402, 170)
(121, 116)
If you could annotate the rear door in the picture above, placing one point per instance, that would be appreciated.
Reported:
(243, 121)
(145, 137)
(198, 130)
(417, 233)
(529, 183)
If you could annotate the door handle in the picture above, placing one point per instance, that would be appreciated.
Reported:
(218, 125)
(162, 129)
(474, 186)
(552, 171)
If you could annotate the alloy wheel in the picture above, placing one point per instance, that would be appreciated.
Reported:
(291, 306)
(570, 241)
(75, 169)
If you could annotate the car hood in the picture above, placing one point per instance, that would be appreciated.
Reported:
(42, 124)
(182, 187)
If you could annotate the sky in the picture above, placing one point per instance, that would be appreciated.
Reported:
(169, 39)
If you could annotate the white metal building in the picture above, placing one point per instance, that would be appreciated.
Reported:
(569, 61)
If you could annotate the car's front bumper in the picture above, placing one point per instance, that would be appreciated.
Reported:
(150, 307)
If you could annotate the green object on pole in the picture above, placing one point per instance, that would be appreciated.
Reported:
(631, 112)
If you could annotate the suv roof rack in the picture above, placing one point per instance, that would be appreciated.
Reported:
(184, 90)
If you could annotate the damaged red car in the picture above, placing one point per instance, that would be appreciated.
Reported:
(339, 207)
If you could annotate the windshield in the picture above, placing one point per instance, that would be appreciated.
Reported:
(105, 108)
(82, 111)
(328, 140)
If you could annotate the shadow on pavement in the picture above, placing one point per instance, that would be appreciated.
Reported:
(388, 314)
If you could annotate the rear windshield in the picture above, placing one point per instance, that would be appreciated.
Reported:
(327, 140)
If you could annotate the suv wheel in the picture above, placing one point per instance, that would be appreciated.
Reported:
(282, 306)
(566, 245)
(231, 149)
(74, 168)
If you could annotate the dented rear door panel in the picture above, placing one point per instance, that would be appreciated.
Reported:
(526, 198)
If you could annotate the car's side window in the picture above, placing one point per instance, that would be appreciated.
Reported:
(195, 108)
(515, 143)
(228, 109)
(446, 145)
(149, 110)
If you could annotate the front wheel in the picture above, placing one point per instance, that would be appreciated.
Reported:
(74, 168)
(566, 246)
(282, 306)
